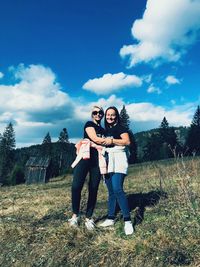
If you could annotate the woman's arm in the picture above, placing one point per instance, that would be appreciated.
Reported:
(93, 136)
(124, 141)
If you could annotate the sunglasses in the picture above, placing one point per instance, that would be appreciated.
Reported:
(98, 112)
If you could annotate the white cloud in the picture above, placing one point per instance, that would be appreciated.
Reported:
(109, 83)
(6, 116)
(35, 102)
(153, 89)
(164, 33)
(1, 75)
(36, 105)
(145, 112)
(144, 115)
(83, 110)
(172, 80)
(152, 114)
(35, 94)
(56, 110)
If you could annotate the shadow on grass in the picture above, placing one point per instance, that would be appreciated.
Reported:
(54, 217)
(140, 201)
(137, 202)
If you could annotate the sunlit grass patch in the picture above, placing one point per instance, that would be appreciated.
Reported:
(164, 198)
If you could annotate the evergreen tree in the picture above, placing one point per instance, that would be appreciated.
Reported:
(196, 118)
(17, 175)
(172, 138)
(7, 146)
(193, 137)
(163, 130)
(46, 146)
(125, 122)
(47, 139)
(132, 148)
(63, 138)
(124, 118)
(168, 139)
(152, 148)
(9, 137)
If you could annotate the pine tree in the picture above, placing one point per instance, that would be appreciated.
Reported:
(193, 137)
(63, 138)
(163, 130)
(46, 146)
(196, 118)
(168, 138)
(132, 148)
(9, 137)
(47, 139)
(124, 118)
(7, 146)
(164, 123)
(152, 148)
(125, 122)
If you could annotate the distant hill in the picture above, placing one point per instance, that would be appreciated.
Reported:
(142, 137)
(63, 154)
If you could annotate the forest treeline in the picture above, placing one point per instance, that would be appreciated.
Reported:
(161, 143)
(13, 161)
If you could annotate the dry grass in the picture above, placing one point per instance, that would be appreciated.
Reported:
(164, 198)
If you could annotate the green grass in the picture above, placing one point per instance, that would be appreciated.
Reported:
(165, 201)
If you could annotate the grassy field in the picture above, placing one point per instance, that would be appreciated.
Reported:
(164, 198)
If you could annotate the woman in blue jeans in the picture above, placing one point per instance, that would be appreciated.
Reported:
(117, 169)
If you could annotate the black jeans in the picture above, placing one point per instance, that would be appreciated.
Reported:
(80, 172)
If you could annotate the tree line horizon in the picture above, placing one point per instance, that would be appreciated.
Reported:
(162, 143)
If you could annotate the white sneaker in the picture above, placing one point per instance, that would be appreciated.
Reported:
(107, 222)
(89, 223)
(73, 221)
(128, 228)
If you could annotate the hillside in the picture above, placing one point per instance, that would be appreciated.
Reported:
(164, 198)
(141, 138)
(61, 154)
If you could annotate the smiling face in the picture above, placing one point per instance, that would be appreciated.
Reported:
(111, 117)
(97, 114)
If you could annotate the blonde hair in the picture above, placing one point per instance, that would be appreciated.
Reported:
(99, 107)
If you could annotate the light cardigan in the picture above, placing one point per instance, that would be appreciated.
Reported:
(83, 152)
(117, 159)
(117, 156)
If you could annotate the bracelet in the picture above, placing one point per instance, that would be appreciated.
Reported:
(111, 140)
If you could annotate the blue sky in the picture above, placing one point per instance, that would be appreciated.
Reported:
(60, 57)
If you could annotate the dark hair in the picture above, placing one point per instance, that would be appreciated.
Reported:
(117, 116)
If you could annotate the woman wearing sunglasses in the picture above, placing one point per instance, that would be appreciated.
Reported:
(117, 168)
(95, 133)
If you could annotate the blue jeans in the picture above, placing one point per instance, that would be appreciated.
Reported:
(114, 182)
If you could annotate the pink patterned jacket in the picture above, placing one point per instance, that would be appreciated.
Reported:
(83, 152)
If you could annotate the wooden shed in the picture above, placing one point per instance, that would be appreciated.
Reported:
(38, 170)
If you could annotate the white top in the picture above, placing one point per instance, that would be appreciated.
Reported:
(117, 159)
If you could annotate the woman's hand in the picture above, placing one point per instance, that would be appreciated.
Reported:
(124, 141)
(108, 141)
